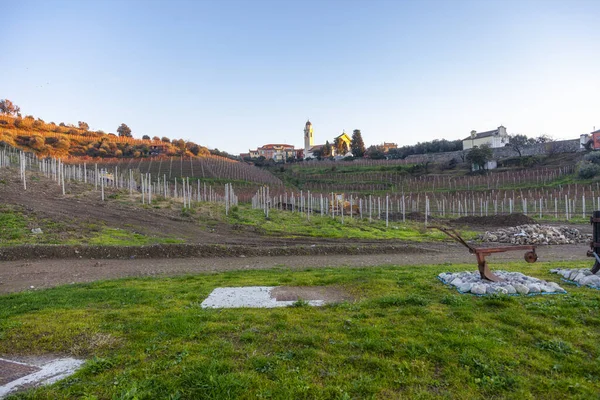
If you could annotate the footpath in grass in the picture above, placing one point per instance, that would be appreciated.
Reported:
(405, 336)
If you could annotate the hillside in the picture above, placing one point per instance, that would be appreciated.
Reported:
(372, 176)
(67, 140)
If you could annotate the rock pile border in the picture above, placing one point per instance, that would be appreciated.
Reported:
(514, 284)
(579, 276)
(536, 234)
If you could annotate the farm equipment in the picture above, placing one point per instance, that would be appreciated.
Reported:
(595, 243)
(482, 252)
(339, 204)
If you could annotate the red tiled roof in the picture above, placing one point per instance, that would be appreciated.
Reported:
(271, 145)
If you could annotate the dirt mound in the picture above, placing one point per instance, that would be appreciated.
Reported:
(194, 250)
(411, 216)
(496, 220)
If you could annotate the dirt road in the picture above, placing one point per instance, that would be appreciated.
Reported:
(38, 274)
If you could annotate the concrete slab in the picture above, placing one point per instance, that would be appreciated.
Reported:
(250, 296)
(16, 375)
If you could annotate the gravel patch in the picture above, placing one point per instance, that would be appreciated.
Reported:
(250, 296)
(515, 283)
(536, 234)
(579, 276)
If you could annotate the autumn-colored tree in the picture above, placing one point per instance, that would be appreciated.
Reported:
(63, 143)
(326, 151)
(156, 138)
(124, 130)
(83, 125)
(9, 108)
(340, 146)
(37, 142)
(181, 147)
(166, 139)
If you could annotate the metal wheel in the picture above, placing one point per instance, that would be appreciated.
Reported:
(531, 257)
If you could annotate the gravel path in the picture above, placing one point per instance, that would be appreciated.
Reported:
(24, 274)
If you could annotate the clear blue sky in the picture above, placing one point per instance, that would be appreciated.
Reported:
(234, 75)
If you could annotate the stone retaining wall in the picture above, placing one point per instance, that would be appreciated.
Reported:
(560, 146)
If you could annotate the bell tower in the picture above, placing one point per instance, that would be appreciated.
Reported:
(308, 137)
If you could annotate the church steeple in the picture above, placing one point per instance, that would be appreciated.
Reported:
(308, 137)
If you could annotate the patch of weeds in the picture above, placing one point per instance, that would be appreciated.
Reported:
(263, 365)
(300, 303)
(13, 225)
(118, 237)
(98, 365)
(488, 374)
(453, 300)
(499, 301)
(187, 212)
(556, 346)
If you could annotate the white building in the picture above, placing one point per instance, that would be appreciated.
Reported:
(496, 138)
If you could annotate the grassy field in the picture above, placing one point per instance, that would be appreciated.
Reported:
(405, 336)
(288, 224)
(16, 228)
(16, 225)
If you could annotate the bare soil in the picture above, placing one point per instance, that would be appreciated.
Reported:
(495, 220)
(207, 249)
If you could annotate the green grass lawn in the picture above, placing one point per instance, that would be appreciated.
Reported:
(405, 336)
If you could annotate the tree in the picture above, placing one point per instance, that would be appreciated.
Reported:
(519, 142)
(83, 125)
(146, 137)
(544, 139)
(156, 139)
(124, 130)
(480, 155)
(326, 152)
(166, 139)
(375, 153)
(357, 145)
(180, 144)
(340, 146)
(7, 107)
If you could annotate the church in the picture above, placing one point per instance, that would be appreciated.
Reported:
(310, 148)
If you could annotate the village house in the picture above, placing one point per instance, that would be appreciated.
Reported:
(495, 138)
(277, 152)
(385, 147)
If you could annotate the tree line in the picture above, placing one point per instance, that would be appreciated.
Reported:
(38, 135)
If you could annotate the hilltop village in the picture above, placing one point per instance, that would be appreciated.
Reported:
(487, 146)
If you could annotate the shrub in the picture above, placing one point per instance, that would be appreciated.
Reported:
(37, 142)
(587, 170)
(593, 157)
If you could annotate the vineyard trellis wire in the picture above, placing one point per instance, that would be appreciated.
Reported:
(151, 178)
(120, 175)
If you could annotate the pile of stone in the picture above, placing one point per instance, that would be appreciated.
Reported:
(514, 283)
(536, 234)
(581, 276)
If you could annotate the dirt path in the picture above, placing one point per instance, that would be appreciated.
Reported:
(38, 274)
